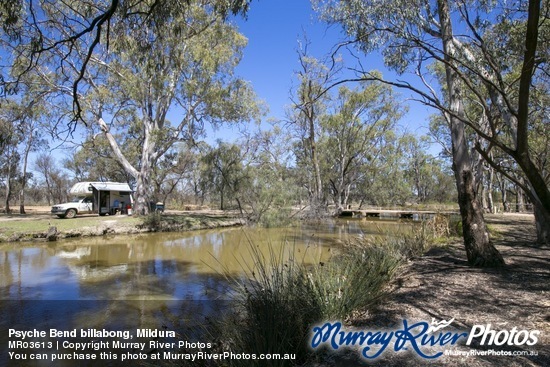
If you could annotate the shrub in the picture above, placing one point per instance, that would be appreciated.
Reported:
(283, 299)
(354, 280)
(153, 221)
(275, 218)
(275, 311)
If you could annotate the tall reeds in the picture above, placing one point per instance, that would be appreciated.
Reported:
(282, 298)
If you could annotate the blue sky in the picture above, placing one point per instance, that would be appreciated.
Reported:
(270, 60)
(273, 29)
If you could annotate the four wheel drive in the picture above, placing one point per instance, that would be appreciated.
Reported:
(79, 205)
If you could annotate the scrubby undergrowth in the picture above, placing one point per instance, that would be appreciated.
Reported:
(283, 299)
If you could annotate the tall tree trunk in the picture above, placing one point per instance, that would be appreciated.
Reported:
(8, 191)
(143, 191)
(520, 202)
(542, 217)
(221, 197)
(490, 190)
(8, 178)
(144, 186)
(539, 187)
(24, 176)
(484, 198)
(318, 193)
(142, 195)
(504, 193)
(542, 223)
(479, 250)
(49, 194)
(22, 196)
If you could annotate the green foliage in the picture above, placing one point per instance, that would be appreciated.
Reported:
(223, 172)
(354, 280)
(267, 196)
(94, 161)
(428, 177)
(276, 309)
(276, 217)
(282, 300)
(153, 221)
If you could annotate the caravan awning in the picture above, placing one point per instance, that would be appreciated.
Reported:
(111, 186)
(86, 188)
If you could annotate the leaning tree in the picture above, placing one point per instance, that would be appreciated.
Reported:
(160, 70)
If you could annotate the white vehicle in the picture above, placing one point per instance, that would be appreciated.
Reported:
(96, 197)
(79, 205)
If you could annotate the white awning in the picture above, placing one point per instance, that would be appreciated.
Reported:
(111, 186)
(85, 188)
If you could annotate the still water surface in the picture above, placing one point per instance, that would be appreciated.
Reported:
(162, 266)
(150, 280)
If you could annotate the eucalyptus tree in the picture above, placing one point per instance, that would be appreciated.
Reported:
(224, 171)
(21, 118)
(31, 140)
(429, 176)
(174, 169)
(384, 182)
(9, 158)
(189, 66)
(159, 69)
(55, 181)
(308, 105)
(269, 190)
(353, 130)
(92, 160)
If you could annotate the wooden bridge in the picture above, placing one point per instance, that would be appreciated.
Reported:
(393, 214)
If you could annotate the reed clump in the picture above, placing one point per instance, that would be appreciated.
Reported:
(282, 298)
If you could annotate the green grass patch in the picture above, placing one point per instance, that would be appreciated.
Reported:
(30, 227)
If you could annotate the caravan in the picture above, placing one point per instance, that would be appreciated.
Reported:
(96, 197)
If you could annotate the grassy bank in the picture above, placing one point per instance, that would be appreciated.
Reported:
(17, 228)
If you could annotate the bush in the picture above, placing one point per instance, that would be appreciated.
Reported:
(275, 218)
(153, 221)
(282, 300)
(276, 309)
(354, 280)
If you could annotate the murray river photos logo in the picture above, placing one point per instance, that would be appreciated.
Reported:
(427, 340)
